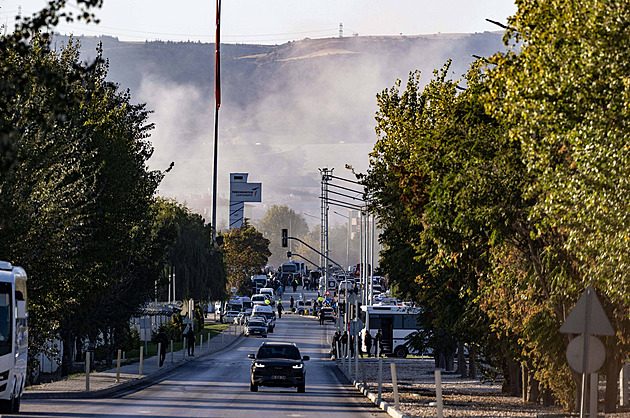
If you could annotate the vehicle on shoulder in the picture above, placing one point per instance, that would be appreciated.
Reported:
(229, 316)
(242, 318)
(267, 291)
(278, 365)
(256, 326)
(304, 307)
(259, 299)
(268, 313)
(329, 314)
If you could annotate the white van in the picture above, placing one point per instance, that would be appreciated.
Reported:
(268, 291)
(268, 313)
(259, 299)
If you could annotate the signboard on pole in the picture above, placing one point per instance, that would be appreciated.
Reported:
(246, 192)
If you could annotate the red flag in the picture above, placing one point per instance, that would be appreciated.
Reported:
(217, 55)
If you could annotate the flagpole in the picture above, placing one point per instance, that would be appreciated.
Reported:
(217, 96)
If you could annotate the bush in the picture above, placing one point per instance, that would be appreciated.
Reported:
(175, 328)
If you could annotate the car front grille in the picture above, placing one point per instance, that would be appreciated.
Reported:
(278, 371)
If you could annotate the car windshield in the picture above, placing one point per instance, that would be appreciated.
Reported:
(288, 352)
(256, 324)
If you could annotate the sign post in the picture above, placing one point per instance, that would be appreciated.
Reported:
(586, 353)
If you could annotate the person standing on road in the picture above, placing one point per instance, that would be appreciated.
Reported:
(344, 344)
(291, 301)
(335, 344)
(162, 340)
(190, 340)
(321, 317)
(279, 309)
(368, 342)
(378, 343)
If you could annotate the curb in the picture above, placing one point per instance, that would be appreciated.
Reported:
(389, 409)
(143, 381)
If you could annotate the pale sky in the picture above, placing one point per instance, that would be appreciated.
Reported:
(276, 21)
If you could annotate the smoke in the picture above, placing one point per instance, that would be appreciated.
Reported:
(313, 108)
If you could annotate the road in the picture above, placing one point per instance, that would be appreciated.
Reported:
(218, 386)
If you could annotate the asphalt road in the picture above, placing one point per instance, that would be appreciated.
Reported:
(218, 386)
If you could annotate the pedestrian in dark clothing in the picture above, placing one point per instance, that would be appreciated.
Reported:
(335, 344)
(279, 309)
(162, 340)
(344, 344)
(368, 342)
(321, 317)
(378, 343)
(291, 301)
(190, 339)
(352, 346)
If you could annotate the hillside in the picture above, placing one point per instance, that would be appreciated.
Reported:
(286, 110)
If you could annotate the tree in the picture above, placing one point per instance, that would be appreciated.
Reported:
(277, 218)
(245, 252)
(76, 199)
(198, 265)
(565, 94)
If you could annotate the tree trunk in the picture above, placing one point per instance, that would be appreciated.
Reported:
(461, 361)
(68, 348)
(472, 358)
(612, 367)
(514, 370)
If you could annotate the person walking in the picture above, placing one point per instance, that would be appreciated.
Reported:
(291, 302)
(368, 342)
(378, 343)
(162, 340)
(321, 317)
(190, 340)
(279, 304)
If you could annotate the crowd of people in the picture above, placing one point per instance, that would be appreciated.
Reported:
(344, 344)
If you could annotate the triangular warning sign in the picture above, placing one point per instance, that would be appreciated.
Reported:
(598, 323)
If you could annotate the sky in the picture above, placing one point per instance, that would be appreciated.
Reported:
(275, 21)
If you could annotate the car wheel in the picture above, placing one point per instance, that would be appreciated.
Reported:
(400, 352)
(253, 387)
(301, 388)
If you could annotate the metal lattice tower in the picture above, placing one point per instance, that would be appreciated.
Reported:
(326, 177)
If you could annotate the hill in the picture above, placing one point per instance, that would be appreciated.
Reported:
(286, 111)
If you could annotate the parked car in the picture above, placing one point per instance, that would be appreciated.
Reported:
(229, 317)
(242, 318)
(304, 307)
(278, 365)
(256, 326)
(268, 313)
(329, 314)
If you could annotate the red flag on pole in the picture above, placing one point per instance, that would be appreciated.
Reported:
(217, 55)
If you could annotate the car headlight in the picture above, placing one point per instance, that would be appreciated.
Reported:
(259, 365)
(298, 366)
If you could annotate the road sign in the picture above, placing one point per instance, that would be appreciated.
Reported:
(576, 321)
(596, 354)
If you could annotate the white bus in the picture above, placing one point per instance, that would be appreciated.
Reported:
(395, 322)
(13, 336)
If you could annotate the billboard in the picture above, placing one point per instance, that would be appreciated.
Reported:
(245, 192)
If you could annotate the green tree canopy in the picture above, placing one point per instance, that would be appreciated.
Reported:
(245, 252)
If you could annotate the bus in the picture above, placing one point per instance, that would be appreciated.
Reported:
(13, 336)
(395, 322)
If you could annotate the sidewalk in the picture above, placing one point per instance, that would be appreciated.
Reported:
(104, 383)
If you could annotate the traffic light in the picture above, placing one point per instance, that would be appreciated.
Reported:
(289, 254)
(285, 241)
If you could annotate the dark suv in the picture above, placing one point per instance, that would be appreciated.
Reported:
(278, 364)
